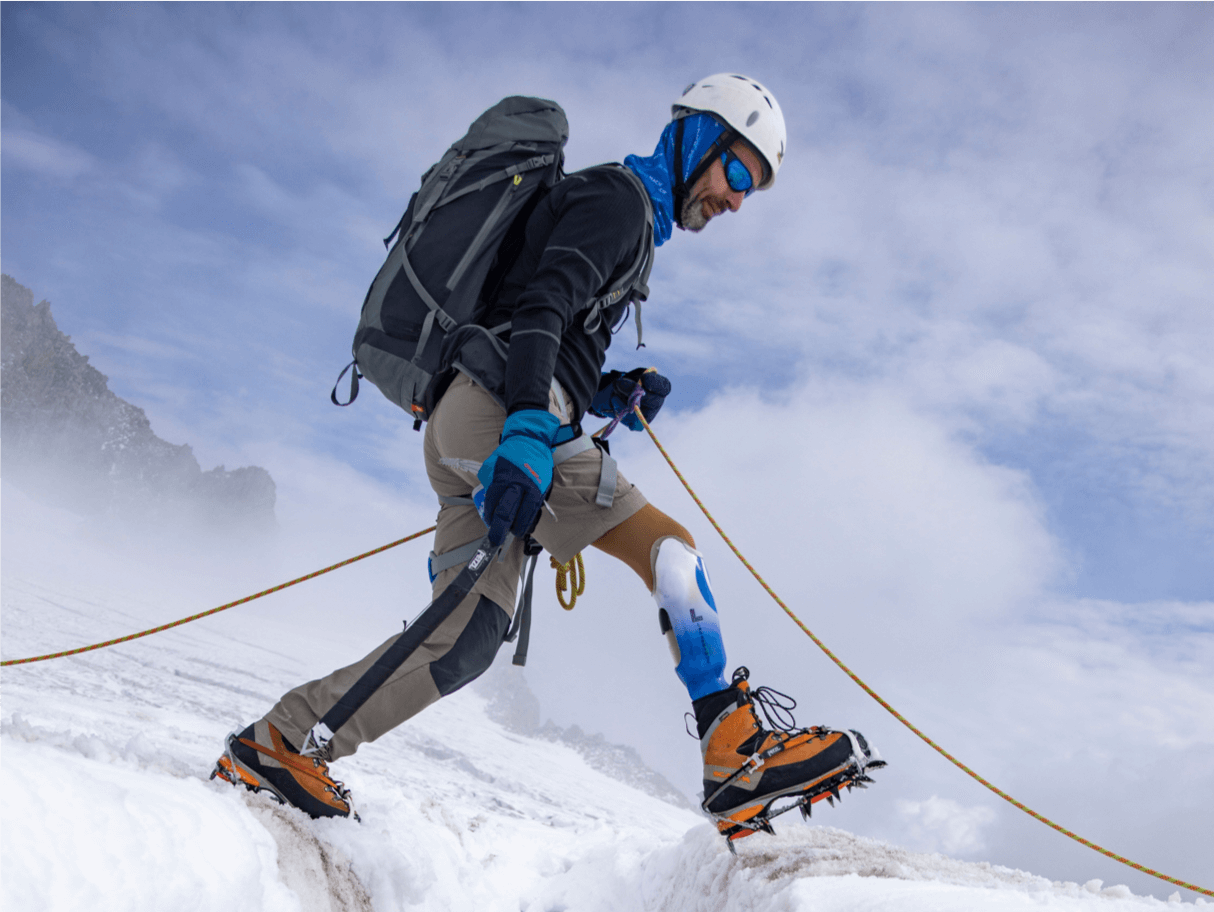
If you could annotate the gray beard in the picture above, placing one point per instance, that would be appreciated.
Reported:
(693, 215)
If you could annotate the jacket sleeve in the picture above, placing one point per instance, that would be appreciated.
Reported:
(594, 238)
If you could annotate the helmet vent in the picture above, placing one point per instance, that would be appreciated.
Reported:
(689, 88)
(750, 121)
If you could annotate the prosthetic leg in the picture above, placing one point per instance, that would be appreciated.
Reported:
(752, 773)
(688, 617)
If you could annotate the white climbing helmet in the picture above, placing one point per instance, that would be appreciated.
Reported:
(747, 107)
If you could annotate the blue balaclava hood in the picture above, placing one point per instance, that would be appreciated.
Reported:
(700, 131)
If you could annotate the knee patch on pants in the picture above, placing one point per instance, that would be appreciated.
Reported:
(474, 650)
(687, 613)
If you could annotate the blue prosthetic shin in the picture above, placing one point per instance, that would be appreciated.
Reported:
(688, 615)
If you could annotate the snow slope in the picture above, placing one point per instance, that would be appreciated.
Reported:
(104, 760)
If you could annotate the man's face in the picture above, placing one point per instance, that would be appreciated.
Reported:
(711, 194)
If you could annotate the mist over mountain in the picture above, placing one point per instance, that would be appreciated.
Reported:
(71, 442)
(512, 705)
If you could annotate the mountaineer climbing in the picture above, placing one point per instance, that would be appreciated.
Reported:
(504, 447)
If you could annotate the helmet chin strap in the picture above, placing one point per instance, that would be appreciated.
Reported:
(683, 187)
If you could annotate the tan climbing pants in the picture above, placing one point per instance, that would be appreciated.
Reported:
(466, 425)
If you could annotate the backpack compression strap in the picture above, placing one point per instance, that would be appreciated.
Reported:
(354, 378)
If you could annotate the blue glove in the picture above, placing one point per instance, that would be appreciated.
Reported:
(518, 475)
(615, 389)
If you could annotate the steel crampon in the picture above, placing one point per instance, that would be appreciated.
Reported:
(741, 824)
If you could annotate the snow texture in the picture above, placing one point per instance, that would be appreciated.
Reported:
(105, 758)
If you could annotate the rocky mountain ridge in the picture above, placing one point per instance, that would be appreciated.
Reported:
(70, 441)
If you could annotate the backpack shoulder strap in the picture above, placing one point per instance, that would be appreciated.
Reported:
(634, 282)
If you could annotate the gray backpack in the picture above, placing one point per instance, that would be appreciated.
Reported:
(454, 245)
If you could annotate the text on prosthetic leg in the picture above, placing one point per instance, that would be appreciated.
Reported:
(688, 615)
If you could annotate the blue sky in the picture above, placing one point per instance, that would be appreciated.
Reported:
(954, 368)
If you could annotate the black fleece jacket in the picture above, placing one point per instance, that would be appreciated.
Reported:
(583, 236)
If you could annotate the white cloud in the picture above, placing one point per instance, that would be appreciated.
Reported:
(942, 825)
(44, 156)
(154, 175)
(871, 491)
(136, 347)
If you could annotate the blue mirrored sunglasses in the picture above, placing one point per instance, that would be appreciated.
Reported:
(737, 174)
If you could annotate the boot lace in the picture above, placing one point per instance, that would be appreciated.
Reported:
(776, 707)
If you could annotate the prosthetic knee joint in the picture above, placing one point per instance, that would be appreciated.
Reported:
(688, 615)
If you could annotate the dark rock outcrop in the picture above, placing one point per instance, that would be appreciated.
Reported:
(69, 440)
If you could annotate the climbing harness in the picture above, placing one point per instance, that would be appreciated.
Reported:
(573, 573)
(572, 442)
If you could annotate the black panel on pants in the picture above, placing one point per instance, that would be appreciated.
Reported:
(474, 650)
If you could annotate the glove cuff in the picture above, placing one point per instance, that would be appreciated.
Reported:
(535, 423)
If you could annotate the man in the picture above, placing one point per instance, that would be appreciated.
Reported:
(726, 140)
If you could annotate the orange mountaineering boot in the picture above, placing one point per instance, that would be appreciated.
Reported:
(260, 758)
(747, 767)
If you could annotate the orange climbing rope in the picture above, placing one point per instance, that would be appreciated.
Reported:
(897, 715)
(194, 617)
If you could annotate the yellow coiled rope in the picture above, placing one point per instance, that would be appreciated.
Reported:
(571, 578)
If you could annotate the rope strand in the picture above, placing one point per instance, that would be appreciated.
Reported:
(893, 712)
(195, 617)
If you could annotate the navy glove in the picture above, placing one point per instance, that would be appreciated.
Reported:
(615, 389)
(518, 475)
